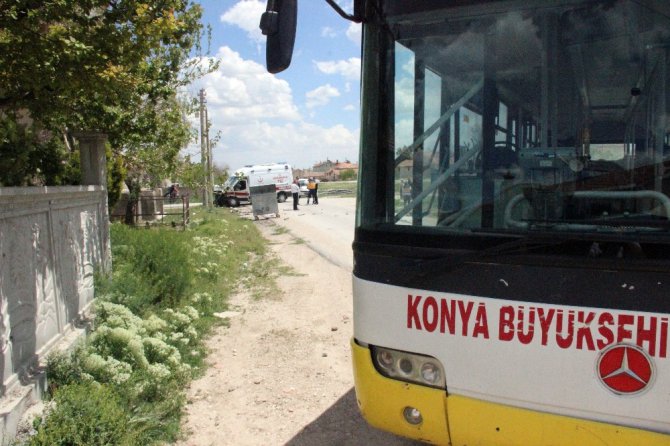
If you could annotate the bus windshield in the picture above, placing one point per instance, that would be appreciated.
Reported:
(551, 116)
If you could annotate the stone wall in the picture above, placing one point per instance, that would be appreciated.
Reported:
(52, 241)
(149, 206)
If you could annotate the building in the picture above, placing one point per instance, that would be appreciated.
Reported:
(323, 166)
(335, 172)
(327, 170)
(404, 169)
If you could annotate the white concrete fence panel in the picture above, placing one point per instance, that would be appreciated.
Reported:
(52, 240)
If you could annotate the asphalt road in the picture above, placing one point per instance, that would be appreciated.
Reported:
(327, 228)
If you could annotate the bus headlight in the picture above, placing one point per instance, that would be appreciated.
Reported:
(385, 359)
(431, 373)
(411, 367)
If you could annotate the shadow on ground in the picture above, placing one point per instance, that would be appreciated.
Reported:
(342, 425)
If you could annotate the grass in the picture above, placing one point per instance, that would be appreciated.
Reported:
(280, 230)
(338, 188)
(153, 315)
(261, 276)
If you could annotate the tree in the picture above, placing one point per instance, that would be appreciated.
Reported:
(190, 174)
(28, 156)
(116, 174)
(81, 62)
(348, 174)
(220, 173)
(150, 143)
(112, 66)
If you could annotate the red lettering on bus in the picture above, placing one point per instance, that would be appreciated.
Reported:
(448, 316)
(623, 333)
(605, 320)
(545, 322)
(413, 312)
(647, 335)
(578, 329)
(663, 344)
(564, 338)
(465, 315)
(430, 317)
(525, 337)
(481, 323)
(506, 324)
(584, 333)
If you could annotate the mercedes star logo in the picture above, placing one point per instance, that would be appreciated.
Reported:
(625, 369)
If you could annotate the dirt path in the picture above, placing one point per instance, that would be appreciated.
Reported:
(281, 373)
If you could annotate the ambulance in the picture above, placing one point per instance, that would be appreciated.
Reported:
(236, 189)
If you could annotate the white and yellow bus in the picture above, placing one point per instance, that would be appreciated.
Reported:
(522, 295)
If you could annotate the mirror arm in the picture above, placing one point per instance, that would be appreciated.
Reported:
(270, 20)
(278, 23)
(340, 11)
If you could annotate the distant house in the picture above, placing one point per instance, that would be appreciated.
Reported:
(308, 173)
(327, 170)
(404, 169)
(323, 166)
(334, 173)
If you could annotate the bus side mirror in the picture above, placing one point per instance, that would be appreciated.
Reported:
(278, 23)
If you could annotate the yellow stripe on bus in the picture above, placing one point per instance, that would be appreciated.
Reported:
(474, 422)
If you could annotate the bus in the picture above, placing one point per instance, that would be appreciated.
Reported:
(521, 295)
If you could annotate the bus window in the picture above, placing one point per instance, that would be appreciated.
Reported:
(404, 96)
(607, 152)
(521, 121)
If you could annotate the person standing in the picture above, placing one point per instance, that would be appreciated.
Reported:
(406, 192)
(295, 190)
(310, 190)
(316, 191)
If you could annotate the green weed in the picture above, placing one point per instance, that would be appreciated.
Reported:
(85, 414)
(152, 316)
(280, 230)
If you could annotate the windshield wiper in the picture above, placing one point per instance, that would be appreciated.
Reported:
(622, 226)
(448, 263)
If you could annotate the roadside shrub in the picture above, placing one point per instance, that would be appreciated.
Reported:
(62, 370)
(154, 267)
(123, 345)
(347, 175)
(151, 317)
(86, 414)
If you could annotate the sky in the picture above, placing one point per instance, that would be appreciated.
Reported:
(304, 115)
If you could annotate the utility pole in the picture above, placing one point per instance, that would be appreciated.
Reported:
(210, 164)
(204, 150)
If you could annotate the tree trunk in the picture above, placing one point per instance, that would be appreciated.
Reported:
(133, 200)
